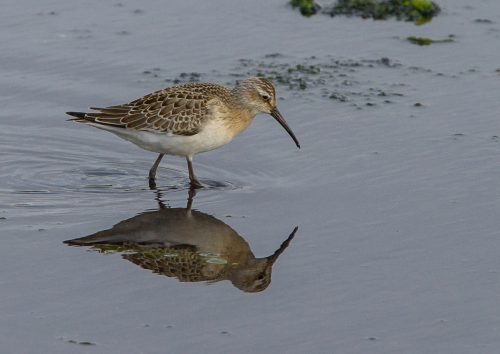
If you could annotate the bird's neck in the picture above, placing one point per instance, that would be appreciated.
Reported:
(240, 113)
(236, 123)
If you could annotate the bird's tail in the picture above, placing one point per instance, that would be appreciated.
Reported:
(80, 117)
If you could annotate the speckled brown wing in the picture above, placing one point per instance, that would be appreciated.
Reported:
(182, 262)
(179, 110)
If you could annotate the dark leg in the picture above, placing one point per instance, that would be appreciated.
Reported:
(152, 184)
(152, 171)
(191, 195)
(194, 181)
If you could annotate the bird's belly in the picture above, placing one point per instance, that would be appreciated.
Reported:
(211, 137)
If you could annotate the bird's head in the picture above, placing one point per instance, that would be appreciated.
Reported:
(259, 96)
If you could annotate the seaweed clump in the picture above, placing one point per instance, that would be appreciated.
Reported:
(418, 11)
(428, 41)
(307, 7)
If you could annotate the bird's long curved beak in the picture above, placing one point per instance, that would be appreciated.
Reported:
(277, 115)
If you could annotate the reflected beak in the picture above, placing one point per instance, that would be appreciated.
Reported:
(272, 258)
(277, 115)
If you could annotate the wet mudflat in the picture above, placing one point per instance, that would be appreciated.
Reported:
(395, 190)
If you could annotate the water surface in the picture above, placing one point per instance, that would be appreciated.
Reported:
(395, 190)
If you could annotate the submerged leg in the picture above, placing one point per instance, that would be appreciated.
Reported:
(194, 181)
(152, 171)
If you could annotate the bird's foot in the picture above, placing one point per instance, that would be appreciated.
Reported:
(195, 183)
(152, 183)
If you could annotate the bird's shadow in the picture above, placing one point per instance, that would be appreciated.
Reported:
(186, 244)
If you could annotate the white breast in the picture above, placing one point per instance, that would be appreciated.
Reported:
(213, 135)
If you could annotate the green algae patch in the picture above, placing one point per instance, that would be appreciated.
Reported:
(307, 7)
(423, 41)
(417, 11)
(328, 78)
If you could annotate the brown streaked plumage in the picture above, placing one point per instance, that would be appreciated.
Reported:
(187, 119)
(179, 110)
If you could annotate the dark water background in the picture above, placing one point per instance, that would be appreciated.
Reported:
(395, 191)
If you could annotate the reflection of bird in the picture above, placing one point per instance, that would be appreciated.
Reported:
(189, 245)
(188, 119)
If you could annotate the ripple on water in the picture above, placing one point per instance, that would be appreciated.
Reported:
(60, 179)
(46, 174)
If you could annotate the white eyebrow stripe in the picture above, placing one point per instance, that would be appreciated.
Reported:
(263, 93)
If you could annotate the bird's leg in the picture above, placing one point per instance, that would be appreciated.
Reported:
(194, 181)
(152, 171)
(191, 195)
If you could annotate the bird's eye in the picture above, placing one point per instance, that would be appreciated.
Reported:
(265, 97)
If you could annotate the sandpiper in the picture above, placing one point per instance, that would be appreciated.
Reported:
(187, 119)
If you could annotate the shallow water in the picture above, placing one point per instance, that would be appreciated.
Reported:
(395, 190)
